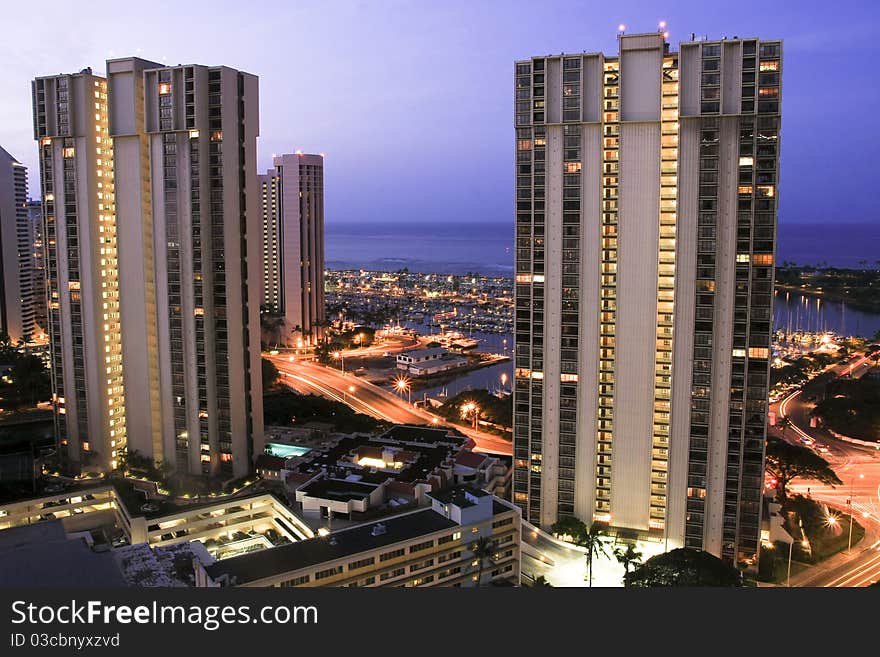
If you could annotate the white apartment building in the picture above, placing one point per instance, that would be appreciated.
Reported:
(174, 249)
(647, 184)
(292, 197)
(17, 303)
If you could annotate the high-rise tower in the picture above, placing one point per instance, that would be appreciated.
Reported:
(178, 151)
(292, 195)
(17, 302)
(647, 185)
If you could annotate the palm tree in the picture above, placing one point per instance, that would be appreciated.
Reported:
(483, 549)
(628, 557)
(594, 541)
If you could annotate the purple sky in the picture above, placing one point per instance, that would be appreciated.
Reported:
(411, 101)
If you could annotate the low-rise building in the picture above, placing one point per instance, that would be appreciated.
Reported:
(48, 554)
(426, 547)
(359, 476)
(424, 362)
(158, 522)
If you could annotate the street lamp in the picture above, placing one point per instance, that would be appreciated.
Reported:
(503, 379)
(772, 546)
(471, 407)
(403, 384)
(341, 357)
(849, 503)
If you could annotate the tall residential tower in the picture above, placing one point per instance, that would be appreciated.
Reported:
(17, 311)
(292, 195)
(82, 267)
(179, 146)
(646, 213)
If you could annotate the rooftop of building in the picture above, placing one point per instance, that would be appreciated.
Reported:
(623, 35)
(43, 554)
(303, 554)
(341, 490)
(419, 451)
(461, 496)
(167, 566)
(426, 352)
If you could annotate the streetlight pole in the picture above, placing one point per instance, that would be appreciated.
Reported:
(790, 550)
(849, 503)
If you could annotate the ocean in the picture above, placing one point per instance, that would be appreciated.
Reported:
(487, 248)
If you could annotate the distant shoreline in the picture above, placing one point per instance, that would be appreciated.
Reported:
(831, 296)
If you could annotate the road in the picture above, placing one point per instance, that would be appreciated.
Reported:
(364, 397)
(859, 469)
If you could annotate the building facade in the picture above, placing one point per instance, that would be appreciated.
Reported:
(176, 238)
(292, 196)
(82, 269)
(423, 548)
(35, 218)
(647, 185)
(17, 310)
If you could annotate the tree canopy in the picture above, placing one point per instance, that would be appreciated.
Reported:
(852, 407)
(787, 461)
(270, 373)
(26, 382)
(683, 567)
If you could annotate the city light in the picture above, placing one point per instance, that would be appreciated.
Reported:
(403, 384)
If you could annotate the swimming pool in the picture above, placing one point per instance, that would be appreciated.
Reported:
(285, 450)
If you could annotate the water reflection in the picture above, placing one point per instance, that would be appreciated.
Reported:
(800, 312)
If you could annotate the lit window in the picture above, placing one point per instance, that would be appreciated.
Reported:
(764, 259)
(165, 88)
(746, 161)
(742, 257)
(193, 134)
(745, 189)
(568, 378)
(739, 353)
(769, 66)
(758, 352)
(572, 167)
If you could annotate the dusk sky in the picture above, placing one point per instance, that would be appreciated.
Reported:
(411, 101)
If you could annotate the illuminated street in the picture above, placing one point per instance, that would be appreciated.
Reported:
(364, 397)
(859, 469)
